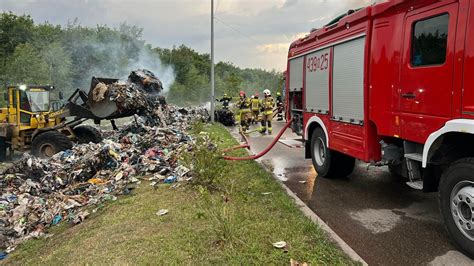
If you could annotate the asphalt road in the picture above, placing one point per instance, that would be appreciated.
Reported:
(381, 218)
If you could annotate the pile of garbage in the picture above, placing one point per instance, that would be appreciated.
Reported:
(225, 117)
(38, 193)
(139, 94)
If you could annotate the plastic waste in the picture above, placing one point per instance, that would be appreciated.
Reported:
(3, 255)
(280, 244)
(162, 212)
(56, 219)
(170, 179)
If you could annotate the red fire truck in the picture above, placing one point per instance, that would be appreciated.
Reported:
(393, 84)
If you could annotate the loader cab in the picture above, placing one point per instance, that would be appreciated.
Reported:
(27, 103)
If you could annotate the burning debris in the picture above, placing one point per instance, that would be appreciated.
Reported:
(112, 98)
(38, 193)
(225, 117)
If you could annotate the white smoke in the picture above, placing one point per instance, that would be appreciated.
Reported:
(116, 59)
(150, 61)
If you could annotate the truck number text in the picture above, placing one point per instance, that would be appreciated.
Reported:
(318, 63)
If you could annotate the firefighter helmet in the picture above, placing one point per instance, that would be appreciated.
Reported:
(278, 94)
(267, 92)
(225, 94)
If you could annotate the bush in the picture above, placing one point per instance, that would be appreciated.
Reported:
(204, 160)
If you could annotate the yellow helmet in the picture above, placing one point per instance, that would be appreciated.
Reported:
(278, 94)
(225, 94)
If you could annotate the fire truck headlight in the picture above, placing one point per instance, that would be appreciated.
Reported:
(22, 87)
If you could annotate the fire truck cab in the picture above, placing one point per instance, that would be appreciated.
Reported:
(393, 84)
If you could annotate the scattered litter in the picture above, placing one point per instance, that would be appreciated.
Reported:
(302, 181)
(36, 194)
(280, 245)
(3, 255)
(170, 179)
(266, 193)
(56, 219)
(80, 217)
(162, 212)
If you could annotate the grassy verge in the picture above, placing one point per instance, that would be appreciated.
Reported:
(236, 224)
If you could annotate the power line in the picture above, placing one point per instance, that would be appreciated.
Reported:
(236, 30)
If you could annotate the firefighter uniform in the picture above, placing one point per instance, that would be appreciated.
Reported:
(255, 109)
(245, 112)
(225, 100)
(279, 101)
(267, 113)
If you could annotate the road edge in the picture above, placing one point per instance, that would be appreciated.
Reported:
(351, 253)
(317, 220)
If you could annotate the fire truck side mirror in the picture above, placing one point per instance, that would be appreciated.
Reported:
(61, 95)
(5, 96)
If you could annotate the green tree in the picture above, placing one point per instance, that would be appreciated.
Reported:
(59, 64)
(26, 66)
(14, 30)
(233, 82)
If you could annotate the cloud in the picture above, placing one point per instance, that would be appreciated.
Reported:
(273, 48)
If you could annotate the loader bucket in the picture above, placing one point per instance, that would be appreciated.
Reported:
(103, 108)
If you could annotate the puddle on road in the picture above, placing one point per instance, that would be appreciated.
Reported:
(282, 169)
(277, 169)
(377, 221)
(452, 258)
(427, 211)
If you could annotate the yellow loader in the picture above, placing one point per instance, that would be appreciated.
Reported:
(30, 123)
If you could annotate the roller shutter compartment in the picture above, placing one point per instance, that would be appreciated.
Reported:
(317, 81)
(348, 81)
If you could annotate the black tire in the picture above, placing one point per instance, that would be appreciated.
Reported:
(86, 134)
(48, 143)
(458, 174)
(331, 164)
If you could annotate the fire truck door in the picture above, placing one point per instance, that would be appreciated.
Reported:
(426, 79)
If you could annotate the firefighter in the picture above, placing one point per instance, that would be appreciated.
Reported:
(245, 113)
(267, 112)
(279, 101)
(255, 108)
(225, 100)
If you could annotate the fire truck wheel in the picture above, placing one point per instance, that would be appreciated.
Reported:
(329, 164)
(86, 134)
(456, 201)
(49, 143)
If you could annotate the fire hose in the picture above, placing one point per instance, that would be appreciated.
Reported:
(247, 145)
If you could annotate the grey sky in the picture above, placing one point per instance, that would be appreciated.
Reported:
(249, 33)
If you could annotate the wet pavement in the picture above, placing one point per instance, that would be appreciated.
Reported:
(373, 211)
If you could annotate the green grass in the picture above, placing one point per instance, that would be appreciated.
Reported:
(237, 226)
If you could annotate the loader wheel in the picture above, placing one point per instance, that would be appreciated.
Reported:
(456, 203)
(87, 134)
(329, 164)
(49, 143)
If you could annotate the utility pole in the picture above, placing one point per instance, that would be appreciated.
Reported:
(213, 97)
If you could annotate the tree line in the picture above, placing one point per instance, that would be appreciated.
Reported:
(67, 56)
